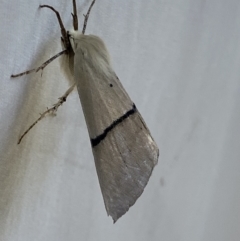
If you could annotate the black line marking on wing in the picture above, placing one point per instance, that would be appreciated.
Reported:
(95, 141)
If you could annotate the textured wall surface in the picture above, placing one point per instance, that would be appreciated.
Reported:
(180, 63)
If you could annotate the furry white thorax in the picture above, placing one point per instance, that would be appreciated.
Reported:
(93, 50)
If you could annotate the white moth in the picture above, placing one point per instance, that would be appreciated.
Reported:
(123, 148)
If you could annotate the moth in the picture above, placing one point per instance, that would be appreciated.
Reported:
(124, 151)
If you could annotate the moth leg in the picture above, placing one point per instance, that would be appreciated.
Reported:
(65, 38)
(52, 110)
(87, 16)
(40, 67)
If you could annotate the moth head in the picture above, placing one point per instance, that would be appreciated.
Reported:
(73, 37)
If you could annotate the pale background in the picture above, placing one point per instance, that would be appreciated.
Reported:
(179, 60)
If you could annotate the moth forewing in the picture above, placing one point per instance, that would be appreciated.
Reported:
(123, 148)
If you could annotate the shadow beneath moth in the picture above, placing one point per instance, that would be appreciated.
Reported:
(123, 148)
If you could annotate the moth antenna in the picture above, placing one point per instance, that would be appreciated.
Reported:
(87, 16)
(75, 16)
